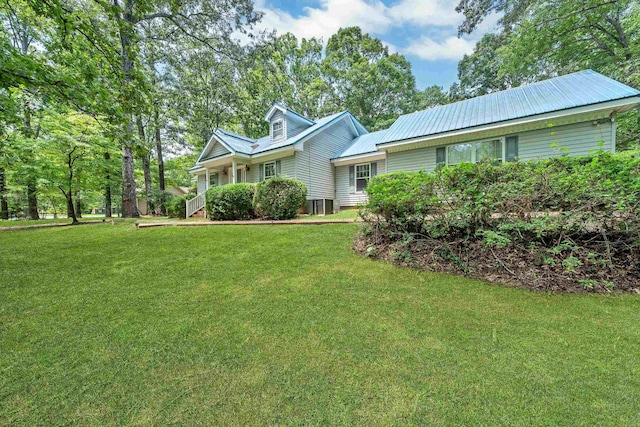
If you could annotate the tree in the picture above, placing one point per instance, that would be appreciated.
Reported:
(366, 79)
(73, 142)
(433, 96)
(209, 22)
(538, 40)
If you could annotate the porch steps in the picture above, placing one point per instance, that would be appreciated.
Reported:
(199, 214)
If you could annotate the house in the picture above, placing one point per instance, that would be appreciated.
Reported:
(178, 191)
(335, 156)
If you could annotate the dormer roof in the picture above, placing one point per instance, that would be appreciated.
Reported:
(288, 113)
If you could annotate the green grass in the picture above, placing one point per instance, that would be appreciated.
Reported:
(286, 325)
(343, 214)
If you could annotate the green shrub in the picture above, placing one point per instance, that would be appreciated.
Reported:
(279, 198)
(159, 200)
(535, 199)
(231, 201)
(578, 215)
(177, 206)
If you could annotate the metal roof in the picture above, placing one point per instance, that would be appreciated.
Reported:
(288, 110)
(560, 93)
(364, 144)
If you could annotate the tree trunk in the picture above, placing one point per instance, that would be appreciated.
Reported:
(4, 206)
(146, 165)
(163, 209)
(107, 188)
(78, 205)
(32, 198)
(70, 209)
(77, 195)
(129, 208)
(159, 150)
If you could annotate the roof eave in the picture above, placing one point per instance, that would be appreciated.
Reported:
(374, 155)
(618, 105)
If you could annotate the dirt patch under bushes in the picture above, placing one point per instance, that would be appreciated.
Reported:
(512, 266)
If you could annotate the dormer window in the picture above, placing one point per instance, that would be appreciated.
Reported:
(277, 130)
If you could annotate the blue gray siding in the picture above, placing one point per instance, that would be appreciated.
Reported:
(287, 169)
(202, 179)
(313, 165)
(579, 139)
(216, 151)
(278, 115)
(343, 193)
(291, 127)
(412, 160)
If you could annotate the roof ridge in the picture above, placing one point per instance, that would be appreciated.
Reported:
(527, 85)
(236, 135)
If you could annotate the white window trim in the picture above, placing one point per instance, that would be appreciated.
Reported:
(284, 129)
(473, 150)
(355, 176)
(264, 170)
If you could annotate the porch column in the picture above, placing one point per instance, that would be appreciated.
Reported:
(206, 184)
(234, 171)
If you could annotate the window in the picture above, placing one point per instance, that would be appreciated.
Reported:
(459, 153)
(213, 179)
(239, 177)
(277, 130)
(473, 152)
(363, 174)
(269, 170)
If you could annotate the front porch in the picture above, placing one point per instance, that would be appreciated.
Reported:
(220, 171)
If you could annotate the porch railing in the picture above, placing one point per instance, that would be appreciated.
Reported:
(195, 204)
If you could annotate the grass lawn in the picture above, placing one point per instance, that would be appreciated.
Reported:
(343, 214)
(285, 325)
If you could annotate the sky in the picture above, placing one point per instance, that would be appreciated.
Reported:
(424, 31)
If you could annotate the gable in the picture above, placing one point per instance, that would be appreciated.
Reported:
(333, 136)
(213, 150)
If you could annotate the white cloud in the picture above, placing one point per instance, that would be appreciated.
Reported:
(325, 20)
(426, 12)
(450, 48)
(438, 17)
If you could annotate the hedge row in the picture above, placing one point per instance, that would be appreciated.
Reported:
(276, 198)
(575, 218)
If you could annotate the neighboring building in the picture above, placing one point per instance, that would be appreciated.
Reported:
(336, 156)
(178, 191)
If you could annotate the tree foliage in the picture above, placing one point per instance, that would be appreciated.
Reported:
(542, 39)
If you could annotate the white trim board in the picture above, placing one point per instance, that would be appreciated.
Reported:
(370, 157)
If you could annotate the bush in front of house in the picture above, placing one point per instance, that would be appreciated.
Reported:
(279, 198)
(177, 206)
(230, 202)
(567, 223)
